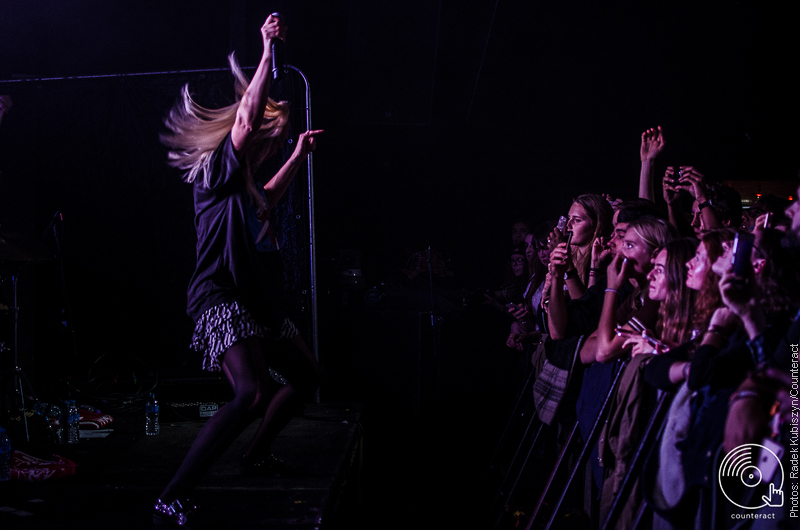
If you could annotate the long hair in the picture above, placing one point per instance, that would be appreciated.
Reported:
(601, 215)
(195, 132)
(536, 268)
(655, 233)
(674, 324)
(708, 297)
(778, 282)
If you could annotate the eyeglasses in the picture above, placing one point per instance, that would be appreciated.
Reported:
(517, 260)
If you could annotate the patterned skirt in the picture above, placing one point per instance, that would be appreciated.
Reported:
(227, 323)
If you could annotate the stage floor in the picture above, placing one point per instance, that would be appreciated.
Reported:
(119, 477)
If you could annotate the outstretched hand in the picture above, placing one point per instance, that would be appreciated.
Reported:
(306, 143)
(652, 144)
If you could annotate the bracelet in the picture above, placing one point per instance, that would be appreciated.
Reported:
(571, 274)
(594, 269)
(610, 290)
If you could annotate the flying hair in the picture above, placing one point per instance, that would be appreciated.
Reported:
(194, 132)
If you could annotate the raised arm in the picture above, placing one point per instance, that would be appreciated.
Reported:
(672, 198)
(652, 144)
(694, 182)
(251, 108)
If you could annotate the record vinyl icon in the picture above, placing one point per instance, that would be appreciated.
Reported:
(745, 468)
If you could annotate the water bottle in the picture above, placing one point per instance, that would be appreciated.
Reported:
(53, 416)
(151, 425)
(74, 423)
(5, 455)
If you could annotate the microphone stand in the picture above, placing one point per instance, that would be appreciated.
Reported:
(311, 224)
(436, 322)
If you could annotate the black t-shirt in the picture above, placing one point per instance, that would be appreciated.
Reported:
(228, 264)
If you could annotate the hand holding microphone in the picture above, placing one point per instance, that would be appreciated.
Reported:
(274, 33)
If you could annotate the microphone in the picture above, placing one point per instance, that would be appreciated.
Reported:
(277, 55)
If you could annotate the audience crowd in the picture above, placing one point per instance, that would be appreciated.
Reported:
(639, 306)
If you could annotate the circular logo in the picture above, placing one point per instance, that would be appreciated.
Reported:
(749, 465)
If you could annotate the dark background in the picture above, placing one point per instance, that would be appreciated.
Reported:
(442, 120)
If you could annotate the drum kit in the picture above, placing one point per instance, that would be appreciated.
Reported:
(17, 254)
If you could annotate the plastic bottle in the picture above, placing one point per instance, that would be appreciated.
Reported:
(5, 455)
(52, 414)
(74, 425)
(151, 425)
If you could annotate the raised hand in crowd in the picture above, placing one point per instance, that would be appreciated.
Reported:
(616, 204)
(694, 182)
(652, 144)
(671, 190)
(601, 254)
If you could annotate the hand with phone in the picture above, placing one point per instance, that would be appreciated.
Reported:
(670, 185)
(519, 312)
(560, 259)
(694, 182)
(642, 343)
(557, 235)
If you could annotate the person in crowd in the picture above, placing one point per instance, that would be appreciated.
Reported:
(512, 292)
(713, 205)
(776, 208)
(519, 229)
(525, 328)
(220, 151)
(590, 218)
(603, 249)
(643, 238)
(667, 284)
(672, 368)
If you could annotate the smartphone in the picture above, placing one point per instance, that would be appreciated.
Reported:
(741, 257)
(766, 220)
(562, 223)
(569, 239)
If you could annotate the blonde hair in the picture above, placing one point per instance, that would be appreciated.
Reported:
(196, 131)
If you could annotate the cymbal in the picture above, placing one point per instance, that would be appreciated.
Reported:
(16, 249)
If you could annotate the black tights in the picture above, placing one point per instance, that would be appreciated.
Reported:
(246, 368)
